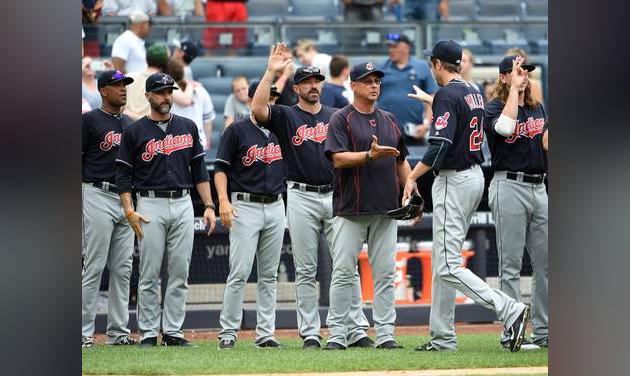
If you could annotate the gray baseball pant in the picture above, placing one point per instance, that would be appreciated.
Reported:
(169, 231)
(456, 196)
(107, 241)
(256, 232)
(308, 213)
(520, 212)
(349, 233)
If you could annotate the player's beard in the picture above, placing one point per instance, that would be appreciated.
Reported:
(161, 108)
(311, 99)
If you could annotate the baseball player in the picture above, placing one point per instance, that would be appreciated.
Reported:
(515, 123)
(455, 138)
(250, 158)
(368, 154)
(301, 130)
(107, 240)
(160, 158)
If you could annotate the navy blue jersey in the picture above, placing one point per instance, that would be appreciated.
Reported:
(457, 119)
(101, 133)
(301, 136)
(371, 188)
(160, 160)
(251, 158)
(523, 150)
(332, 96)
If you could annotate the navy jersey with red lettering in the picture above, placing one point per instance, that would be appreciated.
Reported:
(371, 188)
(457, 119)
(301, 136)
(523, 150)
(160, 159)
(101, 133)
(252, 159)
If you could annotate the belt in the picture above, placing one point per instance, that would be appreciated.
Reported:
(525, 178)
(436, 173)
(311, 188)
(105, 185)
(263, 199)
(176, 193)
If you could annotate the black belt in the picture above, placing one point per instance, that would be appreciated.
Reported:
(263, 199)
(312, 188)
(106, 186)
(436, 173)
(535, 179)
(176, 193)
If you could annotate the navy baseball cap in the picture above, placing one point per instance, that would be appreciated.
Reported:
(395, 38)
(446, 50)
(159, 81)
(303, 73)
(364, 69)
(111, 77)
(505, 66)
(254, 85)
(190, 50)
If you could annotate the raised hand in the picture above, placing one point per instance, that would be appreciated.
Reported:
(518, 75)
(277, 59)
(420, 95)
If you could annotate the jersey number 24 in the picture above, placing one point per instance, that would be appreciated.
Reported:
(476, 136)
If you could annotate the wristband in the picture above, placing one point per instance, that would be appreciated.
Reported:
(209, 206)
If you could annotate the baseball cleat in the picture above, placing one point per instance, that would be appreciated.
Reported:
(125, 341)
(311, 344)
(334, 346)
(86, 342)
(543, 343)
(517, 330)
(226, 344)
(175, 341)
(148, 342)
(271, 342)
(362, 342)
(426, 347)
(389, 345)
(528, 345)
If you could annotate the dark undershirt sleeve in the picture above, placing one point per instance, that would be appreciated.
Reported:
(435, 154)
(123, 177)
(199, 171)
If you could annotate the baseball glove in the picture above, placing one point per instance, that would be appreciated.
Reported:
(411, 210)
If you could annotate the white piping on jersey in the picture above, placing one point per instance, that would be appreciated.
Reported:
(120, 160)
(440, 138)
(199, 155)
(437, 155)
(224, 161)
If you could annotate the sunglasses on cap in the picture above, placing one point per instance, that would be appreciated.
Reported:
(311, 69)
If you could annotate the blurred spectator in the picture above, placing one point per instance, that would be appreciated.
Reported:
(180, 8)
(468, 63)
(237, 104)
(225, 11)
(128, 51)
(423, 10)
(187, 51)
(137, 105)
(127, 7)
(363, 10)
(333, 89)
(91, 11)
(488, 91)
(402, 71)
(85, 106)
(89, 89)
(201, 110)
(536, 85)
(306, 52)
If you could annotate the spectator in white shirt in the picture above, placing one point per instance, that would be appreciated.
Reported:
(181, 8)
(307, 53)
(128, 51)
(126, 7)
(201, 111)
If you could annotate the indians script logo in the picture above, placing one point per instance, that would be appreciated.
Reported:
(442, 121)
(317, 133)
(529, 128)
(266, 154)
(167, 146)
(369, 66)
(111, 138)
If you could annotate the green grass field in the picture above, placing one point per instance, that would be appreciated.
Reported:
(475, 351)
